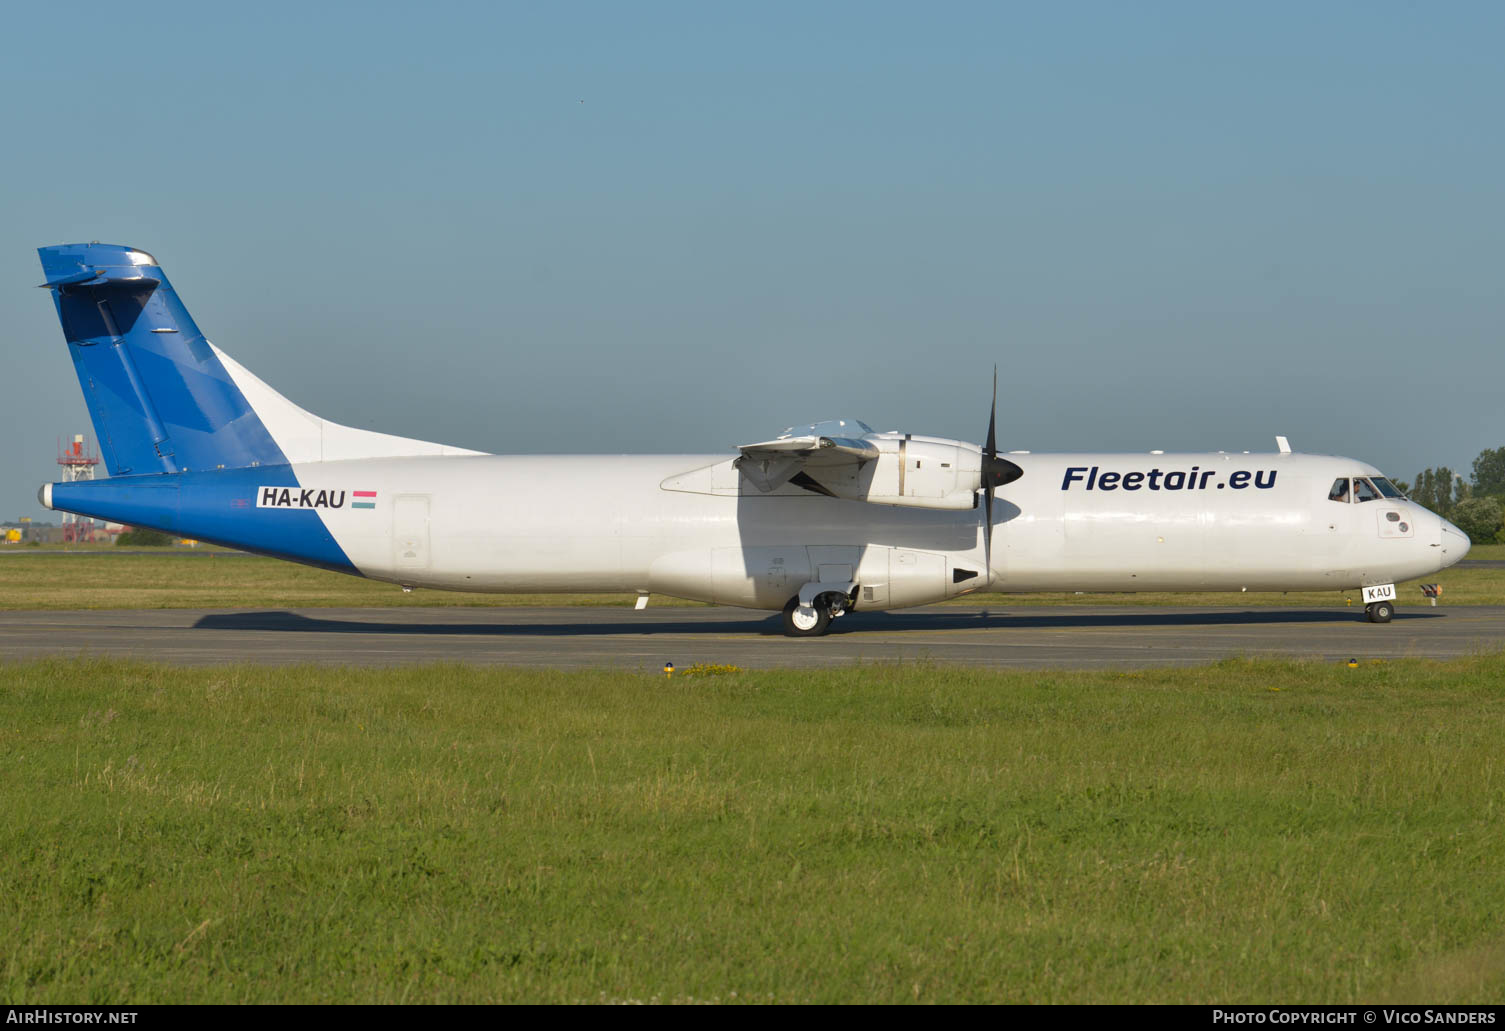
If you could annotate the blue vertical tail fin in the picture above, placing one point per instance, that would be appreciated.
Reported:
(159, 396)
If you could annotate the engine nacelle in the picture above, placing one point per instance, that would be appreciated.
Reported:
(911, 472)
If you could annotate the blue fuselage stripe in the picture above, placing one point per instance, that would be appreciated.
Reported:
(219, 507)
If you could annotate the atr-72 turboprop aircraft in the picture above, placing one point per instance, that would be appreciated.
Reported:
(820, 521)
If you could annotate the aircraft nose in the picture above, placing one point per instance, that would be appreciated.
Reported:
(1455, 543)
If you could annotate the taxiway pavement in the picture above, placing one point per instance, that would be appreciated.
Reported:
(998, 635)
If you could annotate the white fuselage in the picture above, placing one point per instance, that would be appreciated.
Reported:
(691, 527)
(815, 521)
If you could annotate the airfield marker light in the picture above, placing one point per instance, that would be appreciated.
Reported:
(668, 669)
(1432, 591)
(1353, 663)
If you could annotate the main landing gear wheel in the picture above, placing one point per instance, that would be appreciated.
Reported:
(1380, 612)
(811, 622)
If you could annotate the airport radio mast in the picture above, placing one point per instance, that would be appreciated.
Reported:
(78, 464)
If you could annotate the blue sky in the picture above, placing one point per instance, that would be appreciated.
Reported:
(680, 227)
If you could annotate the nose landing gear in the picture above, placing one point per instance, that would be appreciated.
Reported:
(1379, 603)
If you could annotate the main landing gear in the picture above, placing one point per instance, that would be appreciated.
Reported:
(805, 620)
(814, 619)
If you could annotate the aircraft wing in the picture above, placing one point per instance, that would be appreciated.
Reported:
(772, 463)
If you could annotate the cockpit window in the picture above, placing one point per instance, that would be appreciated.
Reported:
(1387, 488)
(1339, 491)
(1363, 490)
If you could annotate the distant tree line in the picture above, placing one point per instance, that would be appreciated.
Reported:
(143, 537)
(1475, 506)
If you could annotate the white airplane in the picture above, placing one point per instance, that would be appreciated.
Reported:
(818, 522)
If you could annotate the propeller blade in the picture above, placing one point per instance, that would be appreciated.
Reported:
(987, 531)
(991, 450)
(989, 456)
(995, 473)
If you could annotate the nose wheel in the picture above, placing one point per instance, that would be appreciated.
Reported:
(1379, 612)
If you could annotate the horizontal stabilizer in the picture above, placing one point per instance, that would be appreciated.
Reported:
(96, 265)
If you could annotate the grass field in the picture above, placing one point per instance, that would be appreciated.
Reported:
(1243, 832)
(181, 580)
(101, 579)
